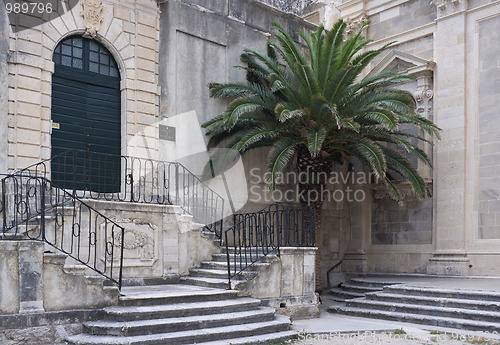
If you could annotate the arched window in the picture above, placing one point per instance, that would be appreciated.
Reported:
(86, 116)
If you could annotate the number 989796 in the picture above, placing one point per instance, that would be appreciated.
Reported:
(28, 7)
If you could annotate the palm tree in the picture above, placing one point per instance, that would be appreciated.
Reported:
(315, 109)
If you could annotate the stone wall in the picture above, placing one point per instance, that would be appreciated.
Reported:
(489, 129)
(129, 30)
(151, 245)
(406, 222)
(4, 90)
(286, 283)
(400, 18)
(34, 282)
(200, 42)
(462, 236)
(294, 6)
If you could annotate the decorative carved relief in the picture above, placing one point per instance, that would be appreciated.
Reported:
(441, 4)
(445, 7)
(138, 239)
(92, 17)
(424, 102)
(353, 25)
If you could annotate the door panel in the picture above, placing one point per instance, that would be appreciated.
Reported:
(87, 108)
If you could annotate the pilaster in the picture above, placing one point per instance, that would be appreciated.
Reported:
(450, 257)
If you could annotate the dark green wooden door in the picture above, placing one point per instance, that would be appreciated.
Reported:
(86, 115)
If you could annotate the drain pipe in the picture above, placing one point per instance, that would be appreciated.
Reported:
(330, 270)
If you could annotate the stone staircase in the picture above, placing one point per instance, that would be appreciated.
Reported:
(214, 273)
(463, 309)
(184, 314)
(357, 287)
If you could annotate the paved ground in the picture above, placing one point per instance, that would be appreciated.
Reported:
(334, 329)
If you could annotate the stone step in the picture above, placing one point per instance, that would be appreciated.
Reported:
(223, 265)
(372, 283)
(443, 293)
(180, 309)
(219, 257)
(208, 273)
(274, 338)
(360, 288)
(151, 295)
(188, 323)
(341, 295)
(418, 319)
(435, 301)
(217, 334)
(212, 282)
(248, 251)
(219, 274)
(456, 313)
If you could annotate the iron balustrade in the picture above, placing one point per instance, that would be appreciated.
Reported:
(256, 235)
(32, 208)
(123, 178)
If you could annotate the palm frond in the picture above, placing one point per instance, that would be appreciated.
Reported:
(315, 139)
(399, 163)
(279, 155)
(320, 102)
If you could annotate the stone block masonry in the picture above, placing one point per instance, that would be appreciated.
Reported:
(130, 30)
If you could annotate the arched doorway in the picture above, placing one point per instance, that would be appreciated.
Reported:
(86, 116)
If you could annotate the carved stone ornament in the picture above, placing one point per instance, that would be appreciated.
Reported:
(441, 4)
(353, 25)
(92, 17)
(138, 237)
(132, 239)
(424, 101)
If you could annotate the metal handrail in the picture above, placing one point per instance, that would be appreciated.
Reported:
(111, 177)
(256, 235)
(32, 208)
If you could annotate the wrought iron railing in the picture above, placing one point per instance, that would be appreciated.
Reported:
(32, 208)
(256, 235)
(110, 177)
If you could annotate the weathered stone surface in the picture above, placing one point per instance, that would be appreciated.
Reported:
(296, 307)
(151, 232)
(9, 277)
(294, 6)
(44, 335)
(194, 245)
(64, 291)
(489, 129)
(4, 87)
(408, 15)
(409, 223)
(30, 277)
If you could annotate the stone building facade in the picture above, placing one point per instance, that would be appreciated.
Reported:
(448, 46)
(129, 30)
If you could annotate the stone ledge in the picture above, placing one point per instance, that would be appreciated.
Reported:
(168, 279)
(297, 307)
(13, 321)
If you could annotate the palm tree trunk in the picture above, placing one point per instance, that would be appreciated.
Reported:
(312, 189)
